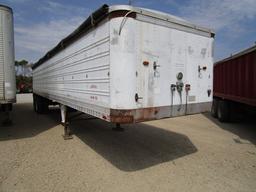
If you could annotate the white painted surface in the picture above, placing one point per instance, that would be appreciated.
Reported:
(7, 71)
(173, 50)
(104, 70)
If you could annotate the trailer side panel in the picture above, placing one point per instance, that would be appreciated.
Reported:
(7, 71)
(235, 79)
(78, 76)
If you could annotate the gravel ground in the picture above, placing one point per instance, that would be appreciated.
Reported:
(192, 153)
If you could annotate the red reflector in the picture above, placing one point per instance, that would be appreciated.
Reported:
(145, 63)
(187, 87)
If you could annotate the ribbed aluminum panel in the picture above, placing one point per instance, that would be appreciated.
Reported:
(7, 71)
(1, 59)
(79, 75)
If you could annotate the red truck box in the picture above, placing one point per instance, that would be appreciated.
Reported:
(234, 83)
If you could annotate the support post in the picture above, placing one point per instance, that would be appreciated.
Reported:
(118, 128)
(64, 121)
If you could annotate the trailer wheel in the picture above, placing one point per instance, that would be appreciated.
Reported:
(43, 106)
(214, 109)
(6, 107)
(34, 103)
(223, 111)
(40, 105)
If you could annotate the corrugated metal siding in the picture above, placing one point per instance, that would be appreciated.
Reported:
(1, 59)
(79, 75)
(235, 79)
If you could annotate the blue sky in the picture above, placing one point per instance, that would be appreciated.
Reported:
(41, 24)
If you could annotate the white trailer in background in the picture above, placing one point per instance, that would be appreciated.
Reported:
(126, 64)
(7, 70)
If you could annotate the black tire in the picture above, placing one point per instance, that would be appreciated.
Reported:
(34, 103)
(6, 107)
(223, 111)
(214, 109)
(38, 105)
(10, 107)
(41, 105)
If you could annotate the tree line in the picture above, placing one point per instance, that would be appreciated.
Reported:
(23, 76)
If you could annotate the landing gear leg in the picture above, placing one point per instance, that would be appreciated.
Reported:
(118, 127)
(64, 121)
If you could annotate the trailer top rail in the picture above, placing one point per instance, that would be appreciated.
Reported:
(5, 7)
(243, 52)
(120, 11)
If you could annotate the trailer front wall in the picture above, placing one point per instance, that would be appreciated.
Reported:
(7, 71)
(78, 76)
(235, 79)
(172, 51)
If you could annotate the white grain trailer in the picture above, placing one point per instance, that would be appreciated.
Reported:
(126, 64)
(7, 70)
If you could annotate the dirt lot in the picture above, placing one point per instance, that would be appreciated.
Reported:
(193, 153)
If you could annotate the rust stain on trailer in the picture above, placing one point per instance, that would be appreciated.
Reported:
(146, 114)
(133, 115)
(121, 116)
(121, 119)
